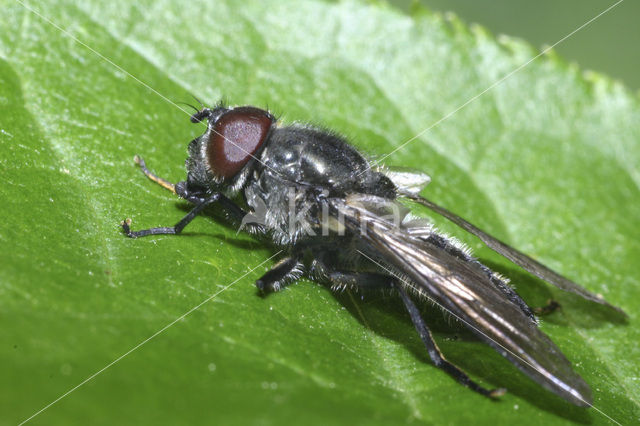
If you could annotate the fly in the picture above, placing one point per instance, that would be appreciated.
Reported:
(339, 221)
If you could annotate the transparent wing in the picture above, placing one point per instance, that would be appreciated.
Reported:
(516, 256)
(466, 292)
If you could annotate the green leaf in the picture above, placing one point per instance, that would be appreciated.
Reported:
(548, 160)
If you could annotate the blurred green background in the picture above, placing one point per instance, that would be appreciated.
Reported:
(609, 45)
(80, 299)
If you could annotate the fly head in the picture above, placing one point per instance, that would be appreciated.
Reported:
(222, 156)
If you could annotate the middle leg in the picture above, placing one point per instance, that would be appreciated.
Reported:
(281, 274)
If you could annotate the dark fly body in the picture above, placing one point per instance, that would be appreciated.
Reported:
(339, 221)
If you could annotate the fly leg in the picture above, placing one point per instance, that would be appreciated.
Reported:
(339, 279)
(177, 228)
(359, 280)
(283, 273)
(372, 280)
(547, 309)
(434, 352)
(160, 181)
(290, 269)
(201, 201)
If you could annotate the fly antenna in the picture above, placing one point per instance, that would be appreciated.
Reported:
(189, 105)
(199, 101)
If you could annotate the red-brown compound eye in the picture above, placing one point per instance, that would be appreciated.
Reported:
(237, 135)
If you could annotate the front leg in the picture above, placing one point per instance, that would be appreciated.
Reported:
(199, 198)
(177, 228)
(152, 176)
